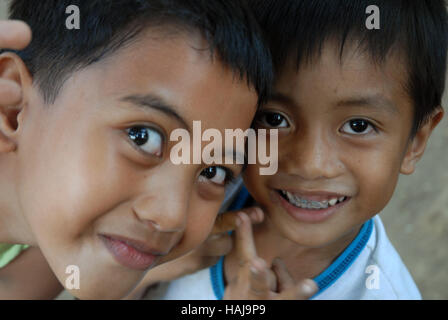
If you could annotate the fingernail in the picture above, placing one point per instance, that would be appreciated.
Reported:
(241, 216)
(259, 263)
(260, 213)
(257, 266)
(253, 269)
(255, 214)
(309, 287)
(238, 221)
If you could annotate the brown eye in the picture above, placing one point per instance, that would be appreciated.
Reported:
(147, 139)
(358, 127)
(273, 120)
(217, 175)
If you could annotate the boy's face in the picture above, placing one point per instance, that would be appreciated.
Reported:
(344, 137)
(94, 177)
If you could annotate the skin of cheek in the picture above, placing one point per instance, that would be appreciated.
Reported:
(65, 213)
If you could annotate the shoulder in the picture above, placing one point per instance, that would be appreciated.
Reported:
(384, 259)
(377, 273)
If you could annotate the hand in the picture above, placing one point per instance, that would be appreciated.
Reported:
(13, 35)
(255, 280)
(218, 244)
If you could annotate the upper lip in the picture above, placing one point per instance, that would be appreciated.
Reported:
(136, 244)
(314, 195)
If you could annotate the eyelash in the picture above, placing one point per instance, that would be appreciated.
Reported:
(263, 114)
(230, 176)
(367, 122)
(148, 128)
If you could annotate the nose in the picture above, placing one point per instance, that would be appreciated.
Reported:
(165, 206)
(312, 156)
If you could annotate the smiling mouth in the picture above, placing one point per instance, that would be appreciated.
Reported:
(130, 253)
(312, 204)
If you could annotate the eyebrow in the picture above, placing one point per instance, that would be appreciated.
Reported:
(157, 103)
(373, 101)
(282, 98)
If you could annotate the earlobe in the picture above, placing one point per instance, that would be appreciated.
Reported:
(417, 145)
(14, 81)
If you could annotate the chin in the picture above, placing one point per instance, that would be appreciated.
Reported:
(304, 235)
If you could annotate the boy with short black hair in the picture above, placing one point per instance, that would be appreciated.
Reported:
(84, 129)
(354, 108)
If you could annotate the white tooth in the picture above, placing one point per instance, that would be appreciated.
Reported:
(292, 199)
(295, 202)
(332, 202)
(316, 204)
(341, 199)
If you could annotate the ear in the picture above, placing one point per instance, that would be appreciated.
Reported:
(417, 145)
(15, 81)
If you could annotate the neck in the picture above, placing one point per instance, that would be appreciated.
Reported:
(301, 261)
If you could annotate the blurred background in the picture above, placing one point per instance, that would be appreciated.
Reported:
(416, 219)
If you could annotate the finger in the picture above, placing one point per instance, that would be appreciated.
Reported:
(217, 245)
(284, 278)
(244, 239)
(10, 93)
(227, 221)
(302, 291)
(14, 34)
(259, 284)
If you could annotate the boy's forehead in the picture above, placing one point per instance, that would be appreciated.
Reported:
(177, 71)
(353, 76)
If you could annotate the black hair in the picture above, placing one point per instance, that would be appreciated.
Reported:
(107, 25)
(417, 28)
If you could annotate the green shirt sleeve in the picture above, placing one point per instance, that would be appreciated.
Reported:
(9, 252)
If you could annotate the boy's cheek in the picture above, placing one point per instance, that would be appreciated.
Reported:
(376, 182)
(200, 224)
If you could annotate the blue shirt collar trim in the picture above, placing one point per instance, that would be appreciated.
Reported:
(345, 260)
